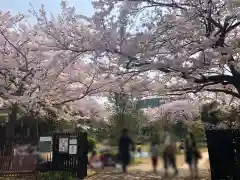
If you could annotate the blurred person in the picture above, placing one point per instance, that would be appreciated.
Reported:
(154, 156)
(192, 154)
(139, 150)
(169, 154)
(102, 157)
(124, 145)
(94, 161)
(181, 146)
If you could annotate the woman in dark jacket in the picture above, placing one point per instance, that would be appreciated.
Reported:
(192, 154)
(124, 144)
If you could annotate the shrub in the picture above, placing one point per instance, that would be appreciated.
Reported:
(91, 144)
(110, 153)
(136, 161)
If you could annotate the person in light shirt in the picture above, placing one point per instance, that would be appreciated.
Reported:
(94, 161)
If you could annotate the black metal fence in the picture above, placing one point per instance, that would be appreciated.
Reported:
(224, 154)
(73, 162)
(20, 157)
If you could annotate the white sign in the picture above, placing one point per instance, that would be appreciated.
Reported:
(46, 138)
(73, 141)
(73, 149)
(63, 144)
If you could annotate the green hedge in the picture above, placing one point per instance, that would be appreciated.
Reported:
(112, 153)
(91, 144)
(202, 145)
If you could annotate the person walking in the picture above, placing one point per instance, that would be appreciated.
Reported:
(192, 154)
(94, 161)
(154, 154)
(124, 145)
(139, 150)
(169, 154)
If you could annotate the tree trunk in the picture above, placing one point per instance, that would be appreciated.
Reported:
(12, 118)
(9, 134)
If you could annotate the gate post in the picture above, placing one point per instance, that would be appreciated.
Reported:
(82, 155)
(221, 155)
(70, 153)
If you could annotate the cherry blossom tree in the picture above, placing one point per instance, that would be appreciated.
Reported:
(192, 43)
(178, 110)
(220, 110)
(52, 64)
(70, 38)
(135, 47)
(37, 77)
(17, 62)
(90, 109)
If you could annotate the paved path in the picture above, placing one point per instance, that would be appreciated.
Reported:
(143, 172)
(143, 175)
(146, 166)
(202, 162)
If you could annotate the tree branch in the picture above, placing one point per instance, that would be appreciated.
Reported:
(224, 91)
(154, 3)
(234, 94)
(233, 27)
(221, 79)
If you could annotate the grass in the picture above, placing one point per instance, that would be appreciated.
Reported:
(91, 173)
(145, 147)
(138, 161)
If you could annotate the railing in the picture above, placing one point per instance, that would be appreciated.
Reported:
(12, 164)
(20, 157)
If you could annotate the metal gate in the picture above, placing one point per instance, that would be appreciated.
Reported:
(237, 157)
(70, 153)
(224, 154)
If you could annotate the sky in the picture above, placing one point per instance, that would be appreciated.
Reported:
(53, 6)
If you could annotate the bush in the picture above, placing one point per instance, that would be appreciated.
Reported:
(136, 161)
(111, 153)
(91, 144)
(56, 176)
(202, 145)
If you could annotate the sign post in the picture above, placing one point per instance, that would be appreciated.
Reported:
(73, 146)
(63, 145)
(70, 153)
(45, 144)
